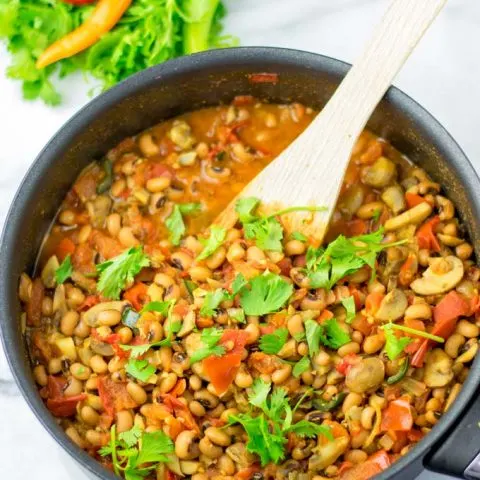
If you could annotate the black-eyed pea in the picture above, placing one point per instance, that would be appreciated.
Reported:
(206, 398)
(307, 378)
(125, 335)
(54, 366)
(116, 364)
(233, 234)
(189, 467)
(366, 418)
(163, 280)
(40, 375)
(89, 416)
(75, 297)
(302, 349)
(92, 383)
(47, 307)
(227, 413)
(198, 273)
(281, 375)
(195, 382)
(356, 456)
(147, 145)
(373, 343)
(351, 400)
(255, 254)
(348, 349)
(467, 329)
(432, 417)
(322, 359)
(124, 420)
(80, 371)
(357, 337)
(96, 438)
(98, 364)
(75, 437)
(158, 184)
(74, 387)
(359, 438)
(235, 252)
(218, 436)
(253, 331)
(137, 393)
(434, 404)
(464, 251)
(421, 311)
(243, 379)
(368, 210)
(376, 287)
(168, 382)
(209, 449)
(197, 408)
(295, 247)
(68, 322)
(181, 260)
(226, 465)
(453, 344)
(94, 401)
(82, 330)
(109, 318)
(217, 411)
(216, 258)
(67, 217)
(127, 238)
(172, 293)
(295, 325)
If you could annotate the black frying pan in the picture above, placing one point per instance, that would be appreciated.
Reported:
(208, 79)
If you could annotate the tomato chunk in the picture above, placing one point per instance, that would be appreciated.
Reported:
(114, 396)
(426, 237)
(137, 295)
(222, 370)
(57, 402)
(397, 416)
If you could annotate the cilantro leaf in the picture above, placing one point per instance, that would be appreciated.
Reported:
(117, 272)
(267, 232)
(259, 393)
(267, 294)
(335, 335)
(298, 236)
(211, 244)
(130, 437)
(394, 346)
(272, 343)
(342, 257)
(313, 333)
(210, 338)
(159, 307)
(189, 208)
(140, 369)
(239, 282)
(304, 428)
(245, 208)
(349, 305)
(175, 225)
(236, 314)
(64, 271)
(137, 350)
(155, 448)
(301, 366)
(212, 301)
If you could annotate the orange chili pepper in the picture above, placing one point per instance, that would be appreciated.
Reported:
(106, 15)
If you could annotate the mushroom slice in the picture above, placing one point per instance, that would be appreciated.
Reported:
(438, 369)
(327, 453)
(48, 272)
(393, 306)
(91, 315)
(433, 283)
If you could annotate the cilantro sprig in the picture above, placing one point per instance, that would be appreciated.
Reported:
(213, 242)
(175, 223)
(328, 334)
(209, 338)
(135, 453)
(342, 257)
(268, 430)
(64, 271)
(116, 273)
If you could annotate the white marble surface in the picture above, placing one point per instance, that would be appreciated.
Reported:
(443, 75)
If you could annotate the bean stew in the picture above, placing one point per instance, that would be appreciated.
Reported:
(169, 347)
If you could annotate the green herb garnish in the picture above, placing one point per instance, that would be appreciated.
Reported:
(64, 271)
(272, 343)
(211, 244)
(210, 338)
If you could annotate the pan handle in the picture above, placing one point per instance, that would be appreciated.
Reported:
(458, 453)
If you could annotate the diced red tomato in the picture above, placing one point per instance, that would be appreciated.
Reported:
(415, 435)
(285, 265)
(179, 388)
(263, 363)
(57, 402)
(373, 151)
(64, 248)
(114, 396)
(238, 337)
(348, 361)
(247, 473)
(106, 246)
(415, 324)
(34, 305)
(413, 199)
(426, 237)
(222, 370)
(374, 465)
(397, 416)
(83, 258)
(137, 295)
(324, 316)
(266, 329)
(111, 339)
(155, 170)
(408, 270)
(452, 306)
(181, 411)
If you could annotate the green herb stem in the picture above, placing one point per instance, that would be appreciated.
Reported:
(418, 333)
(298, 209)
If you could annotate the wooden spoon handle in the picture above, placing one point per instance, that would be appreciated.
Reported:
(310, 171)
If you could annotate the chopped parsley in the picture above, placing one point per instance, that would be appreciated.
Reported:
(64, 271)
(159, 307)
(264, 294)
(301, 366)
(210, 338)
(272, 343)
(268, 431)
(394, 346)
(329, 334)
(119, 271)
(211, 244)
(212, 301)
(140, 369)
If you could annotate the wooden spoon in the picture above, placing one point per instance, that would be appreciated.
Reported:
(310, 171)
